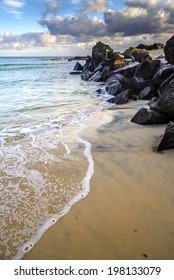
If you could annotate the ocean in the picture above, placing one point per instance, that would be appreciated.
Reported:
(44, 166)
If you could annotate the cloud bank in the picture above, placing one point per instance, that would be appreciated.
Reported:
(139, 17)
(138, 21)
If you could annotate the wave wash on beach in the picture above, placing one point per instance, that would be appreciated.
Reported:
(45, 167)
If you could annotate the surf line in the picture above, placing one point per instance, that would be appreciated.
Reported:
(85, 183)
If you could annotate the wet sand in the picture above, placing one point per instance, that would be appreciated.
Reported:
(129, 212)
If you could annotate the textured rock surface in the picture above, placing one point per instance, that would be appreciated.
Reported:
(167, 141)
(145, 116)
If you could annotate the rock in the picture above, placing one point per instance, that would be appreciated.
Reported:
(78, 66)
(148, 93)
(78, 58)
(161, 90)
(136, 84)
(76, 72)
(167, 141)
(113, 87)
(169, 50)
(100, 51)
(152, 100)
(141, 56)
(147, 69)
(99, 67)
(86, 74)
(115, 56)
(117, 64)
(145, 116)
(138, 54)
(128, 71)
(117, 77)
(105, 73)
(121, 98)
(115, 84)
(96, 77)
(163, 72)
(165, 104)
(155, 46)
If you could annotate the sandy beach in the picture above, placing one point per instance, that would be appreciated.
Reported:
(128, 213)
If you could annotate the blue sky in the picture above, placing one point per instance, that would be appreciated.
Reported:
(72, 27)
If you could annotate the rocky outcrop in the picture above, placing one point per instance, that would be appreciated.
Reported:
(135, 75)
(167, 141)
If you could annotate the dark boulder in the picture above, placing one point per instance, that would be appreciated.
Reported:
(165, 104)
(100, 51)
(96, 77)
(115, 55)
(138, 54)
(148, 93)
(145, 116)
(147, 69)
(105, 73)
(117, 64)
(136, 84)
(86, 74)
(99, 67)
(162, 73)
(141, 56)
(78, 66)
(114, 84)
(161, 90)
(113, 87)
(169, 50)
(121, 98)
(155, 46)
(167, 141)
(128, 71)
(76, 72)
(152, 100)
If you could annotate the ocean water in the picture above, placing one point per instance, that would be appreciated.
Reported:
(44, 166)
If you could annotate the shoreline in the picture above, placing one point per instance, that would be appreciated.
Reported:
(128, 211)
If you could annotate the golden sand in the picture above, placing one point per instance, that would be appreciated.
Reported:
(129, 212)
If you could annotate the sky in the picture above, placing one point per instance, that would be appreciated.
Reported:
(73, 27)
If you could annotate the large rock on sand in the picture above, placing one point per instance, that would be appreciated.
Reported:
(145, 116)
(169, 50)
(122, 97)
(167, 141)
(165, 104)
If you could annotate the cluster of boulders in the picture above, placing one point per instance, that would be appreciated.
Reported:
(134, 75)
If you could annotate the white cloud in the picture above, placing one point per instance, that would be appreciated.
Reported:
(14, 3)
(96, 6)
